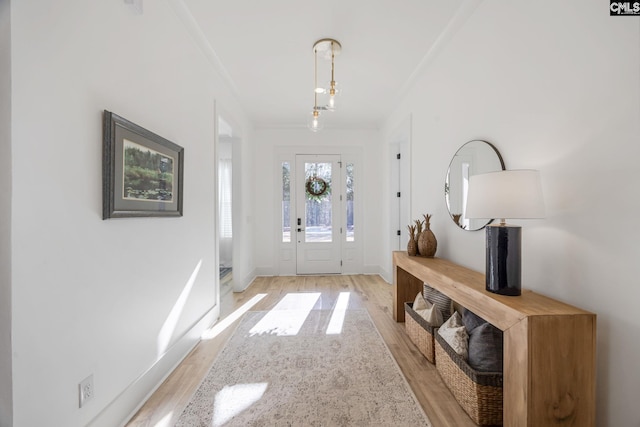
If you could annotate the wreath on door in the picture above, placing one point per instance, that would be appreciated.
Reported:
(316, 187)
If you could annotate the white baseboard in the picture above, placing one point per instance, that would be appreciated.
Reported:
(119, 411)
(386, 275)
(242, 284)
(266, 272)
(373, 269)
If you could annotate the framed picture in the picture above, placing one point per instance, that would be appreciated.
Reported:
(141, 171)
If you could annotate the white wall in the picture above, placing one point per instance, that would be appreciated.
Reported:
(267, 142)
(556, 87)
(120, 299)
(244, 216)
(6, 403)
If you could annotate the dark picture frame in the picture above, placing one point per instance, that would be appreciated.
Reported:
(142, 173)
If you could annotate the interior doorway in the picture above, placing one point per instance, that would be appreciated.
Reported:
(225, 204)
(400, 188)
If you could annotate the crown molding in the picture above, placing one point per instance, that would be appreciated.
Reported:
(195, 31)
(458, 20)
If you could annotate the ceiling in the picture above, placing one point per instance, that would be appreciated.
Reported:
(264, 49)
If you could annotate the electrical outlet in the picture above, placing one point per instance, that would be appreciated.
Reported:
(86, 390)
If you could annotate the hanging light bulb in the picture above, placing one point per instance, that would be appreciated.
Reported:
(334, 93)
(331, 106)
(315, 122)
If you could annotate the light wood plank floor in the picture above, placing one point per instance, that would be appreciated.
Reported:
(370, 292)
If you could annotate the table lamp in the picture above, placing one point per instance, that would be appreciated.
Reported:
(515, 194)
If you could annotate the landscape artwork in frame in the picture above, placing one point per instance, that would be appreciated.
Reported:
(142, 172)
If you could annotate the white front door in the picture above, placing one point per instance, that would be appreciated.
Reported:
(318, 214)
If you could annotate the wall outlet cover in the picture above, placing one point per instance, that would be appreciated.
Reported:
(85, 390)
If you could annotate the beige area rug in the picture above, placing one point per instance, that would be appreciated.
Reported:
(304, 368)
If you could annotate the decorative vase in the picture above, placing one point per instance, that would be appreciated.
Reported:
(418, 228)
(412, 244)
(456, 219)
(427, 243)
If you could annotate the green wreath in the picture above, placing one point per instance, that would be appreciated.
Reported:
(316, 187)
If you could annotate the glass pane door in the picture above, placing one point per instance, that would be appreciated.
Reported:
(318, 187)
(318, 227)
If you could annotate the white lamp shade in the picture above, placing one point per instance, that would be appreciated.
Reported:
(505, 194)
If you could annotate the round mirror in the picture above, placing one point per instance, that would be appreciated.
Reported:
(473, 158)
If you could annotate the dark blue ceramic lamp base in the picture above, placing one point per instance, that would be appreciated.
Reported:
(503, 259)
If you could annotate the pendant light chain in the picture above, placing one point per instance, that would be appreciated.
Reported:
(333, 82)
(315, 82)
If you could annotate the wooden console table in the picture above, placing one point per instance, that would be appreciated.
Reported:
(549, 346)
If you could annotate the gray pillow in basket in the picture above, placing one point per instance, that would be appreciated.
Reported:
(438, 299)
(471, 320)
(485, 348)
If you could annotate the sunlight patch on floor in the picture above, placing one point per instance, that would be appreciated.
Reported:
(337, 317)
(165, 421)
(288, 316)
(227, 321)
(232, 400)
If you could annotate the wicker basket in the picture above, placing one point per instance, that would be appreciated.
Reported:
(420, 332)
(479, 393)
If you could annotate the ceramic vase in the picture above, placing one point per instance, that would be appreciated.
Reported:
(427, 243)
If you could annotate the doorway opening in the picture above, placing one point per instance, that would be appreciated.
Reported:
(319, 211)
(225, 205)
(400, 189)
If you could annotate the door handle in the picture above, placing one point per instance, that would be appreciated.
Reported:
(300, 230)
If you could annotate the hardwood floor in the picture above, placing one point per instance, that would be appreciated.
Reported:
(369, 292)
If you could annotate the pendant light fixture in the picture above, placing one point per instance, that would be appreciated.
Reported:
(328, 49)
(315, 123)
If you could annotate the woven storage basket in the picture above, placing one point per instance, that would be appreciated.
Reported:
(420, 332)
(479, 393)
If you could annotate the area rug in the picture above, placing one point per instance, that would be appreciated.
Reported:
(307, 368)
